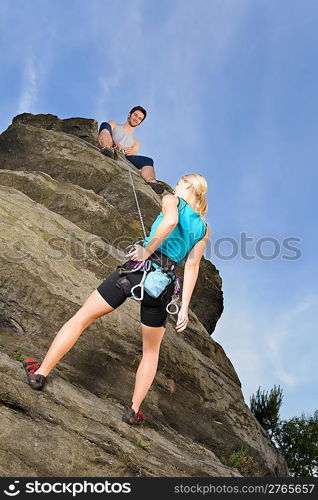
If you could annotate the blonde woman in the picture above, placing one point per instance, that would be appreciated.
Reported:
(180, 231)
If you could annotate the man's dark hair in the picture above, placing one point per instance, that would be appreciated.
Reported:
(139, 108)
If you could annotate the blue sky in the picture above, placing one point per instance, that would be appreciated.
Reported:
(230, 87)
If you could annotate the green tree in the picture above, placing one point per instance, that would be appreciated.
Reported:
(265, 407)
(297, 440)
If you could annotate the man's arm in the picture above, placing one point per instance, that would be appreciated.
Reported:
(134, 149)
(112, 123)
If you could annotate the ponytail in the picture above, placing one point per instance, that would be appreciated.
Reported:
(199, 187)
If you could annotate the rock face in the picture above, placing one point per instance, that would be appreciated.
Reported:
(66, 215)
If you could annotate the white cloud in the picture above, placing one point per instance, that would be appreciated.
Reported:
(291, 342)
(30, 87)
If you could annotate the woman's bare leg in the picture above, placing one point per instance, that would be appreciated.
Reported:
(94, 307)
(151, 340)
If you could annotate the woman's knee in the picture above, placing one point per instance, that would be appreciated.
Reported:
(151, 353)
(81, 320)
(94, 307)
(152, 338)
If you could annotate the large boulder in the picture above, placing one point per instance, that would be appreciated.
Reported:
(67, 214)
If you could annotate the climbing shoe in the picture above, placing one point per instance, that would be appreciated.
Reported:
(31, 365)
(36, 381)
(133, 418)
(108, 152)
(158, 188)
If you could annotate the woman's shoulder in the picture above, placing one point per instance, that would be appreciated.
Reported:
(170, 199)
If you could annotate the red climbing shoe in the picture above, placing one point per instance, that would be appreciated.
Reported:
(133, 418)
(36, 381)
(31, 365)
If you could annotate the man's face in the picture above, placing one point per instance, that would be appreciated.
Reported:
(135, 118)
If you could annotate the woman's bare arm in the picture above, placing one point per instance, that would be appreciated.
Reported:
(168, 223)
(191, 271)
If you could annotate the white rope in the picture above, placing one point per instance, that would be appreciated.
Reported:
(134, 189)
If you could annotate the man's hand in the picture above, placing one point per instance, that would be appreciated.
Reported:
(182, 319)
(138, 253)
(129, 151)
(119, 147)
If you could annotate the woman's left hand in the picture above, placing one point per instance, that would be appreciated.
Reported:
(138, 253)
(183, 319)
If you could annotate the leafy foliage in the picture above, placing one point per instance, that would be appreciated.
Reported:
(296, 438)
(265, 407)
(240, 460)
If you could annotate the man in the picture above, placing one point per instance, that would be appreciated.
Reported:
(121, 138)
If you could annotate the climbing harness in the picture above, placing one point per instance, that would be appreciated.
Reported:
(154, 282)
(150, 282)
(146, 267)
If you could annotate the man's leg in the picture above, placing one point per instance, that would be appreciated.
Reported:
(105, 136)
(94, 307)
(147, 171)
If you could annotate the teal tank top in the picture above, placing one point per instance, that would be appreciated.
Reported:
(189, 230)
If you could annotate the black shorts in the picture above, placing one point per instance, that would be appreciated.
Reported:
(152, 310)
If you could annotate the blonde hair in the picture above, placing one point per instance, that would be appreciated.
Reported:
(199, 187)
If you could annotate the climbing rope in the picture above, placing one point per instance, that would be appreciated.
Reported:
(135, 194)
(133, 186)
(146, 265)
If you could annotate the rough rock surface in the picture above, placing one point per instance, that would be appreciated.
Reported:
(66, 215)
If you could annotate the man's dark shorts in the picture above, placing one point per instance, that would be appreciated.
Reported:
(137, 160)
(152, 310)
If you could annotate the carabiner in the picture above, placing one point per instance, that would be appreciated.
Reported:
(146, 268)
(139, 285)
(173, 303)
